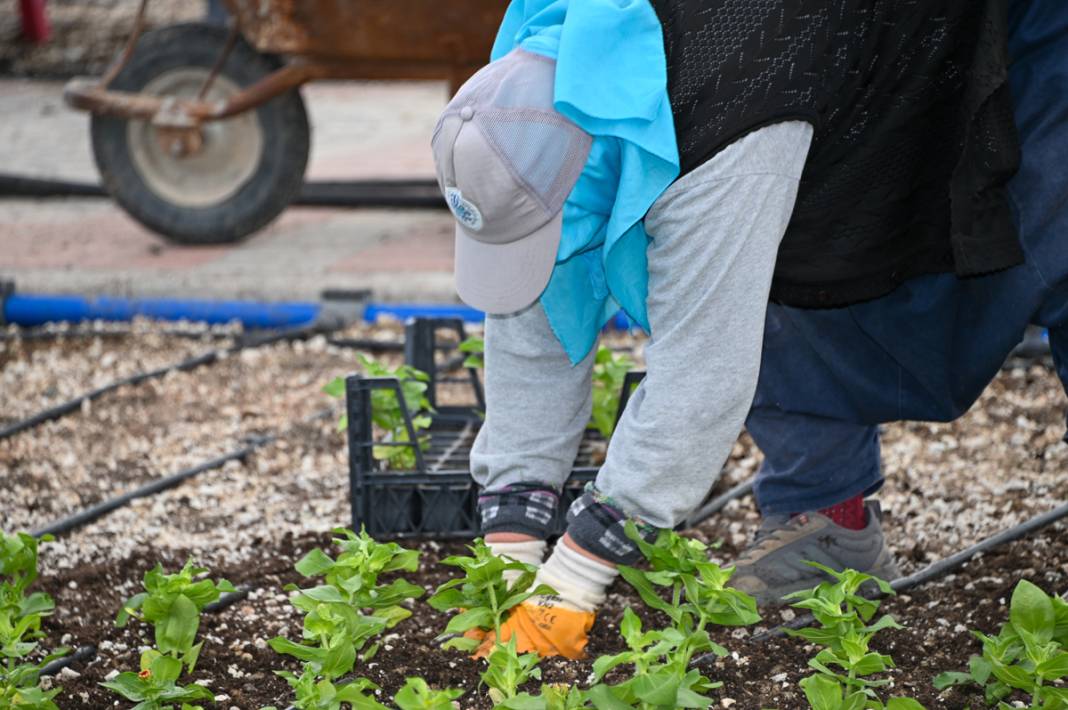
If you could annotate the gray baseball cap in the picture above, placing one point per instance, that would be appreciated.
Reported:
(506, 162)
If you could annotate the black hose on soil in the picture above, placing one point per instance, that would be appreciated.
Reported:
(93, 512)
(254, 340)
(409, 194)
(83, 653)
(718, 503)
(88, 652)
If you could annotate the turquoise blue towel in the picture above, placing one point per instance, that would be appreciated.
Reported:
(611, 80)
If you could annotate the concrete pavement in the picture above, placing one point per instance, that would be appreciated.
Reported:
(90, 246)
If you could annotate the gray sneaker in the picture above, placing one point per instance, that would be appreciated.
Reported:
(774, 564)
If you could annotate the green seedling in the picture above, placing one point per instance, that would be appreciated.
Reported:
(172, 603)
(312, 694)
(662, 678)
(1028, 653)
(156, 686)
(552, 697)
(697, 597)
(20, 625)
(417, 695)
(609, 372)
(475, 349)
(337, 625)
(845, 633)
(482, 596)
(388, 414)
(507, 669)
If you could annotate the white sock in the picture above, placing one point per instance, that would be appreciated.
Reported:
(532, 552)
(579, 580)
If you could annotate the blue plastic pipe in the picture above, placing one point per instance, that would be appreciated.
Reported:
(32, 310)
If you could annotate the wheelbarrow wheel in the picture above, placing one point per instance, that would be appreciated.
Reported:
(241, 173)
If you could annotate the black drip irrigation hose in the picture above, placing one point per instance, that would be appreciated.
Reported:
(91, 513)
(410, 194)
(718, 503)
(931, 572)
(243, 342)
(88, 652)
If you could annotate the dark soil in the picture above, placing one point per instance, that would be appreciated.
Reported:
(236, 662)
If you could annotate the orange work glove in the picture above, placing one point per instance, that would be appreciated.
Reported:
(543, 625)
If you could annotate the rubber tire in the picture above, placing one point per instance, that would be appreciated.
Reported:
(286, 138)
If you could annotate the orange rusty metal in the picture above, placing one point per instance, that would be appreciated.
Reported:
(377, 39)
(336, 39)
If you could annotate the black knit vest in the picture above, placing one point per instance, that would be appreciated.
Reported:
(914, 133)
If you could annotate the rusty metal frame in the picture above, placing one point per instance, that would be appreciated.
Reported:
(312, 33)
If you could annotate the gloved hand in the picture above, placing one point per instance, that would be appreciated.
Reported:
(558, 625)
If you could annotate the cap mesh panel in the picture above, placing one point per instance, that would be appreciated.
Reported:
(540, 150)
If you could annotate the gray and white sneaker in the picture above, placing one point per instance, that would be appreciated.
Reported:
(774, 564)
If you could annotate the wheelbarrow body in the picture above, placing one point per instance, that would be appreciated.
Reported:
(200, 133)
(376, 39)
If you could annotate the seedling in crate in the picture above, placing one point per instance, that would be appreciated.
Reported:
(156, 686)
(388, 414)
(609, 372)
(846, 634)
(417, 695)
(698, 597)
(475, 349)
(20, 626)
(336, 628)
(1030, 651)
(172, 604)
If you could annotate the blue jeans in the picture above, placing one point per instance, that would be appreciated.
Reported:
(927, 350)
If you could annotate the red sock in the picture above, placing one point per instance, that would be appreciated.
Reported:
(849, 514)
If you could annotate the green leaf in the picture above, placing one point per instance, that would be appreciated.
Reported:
(177, 629)
(603, 698)
(1032, 611)
(132, 604)
(128, 685)
(335, 388)
(822, 693)
(480, 618)
(661, 688)
(903, 704)
(314, 564)
(951, 678)
(1054, 668)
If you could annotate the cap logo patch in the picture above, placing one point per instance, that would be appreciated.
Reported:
(464, 210)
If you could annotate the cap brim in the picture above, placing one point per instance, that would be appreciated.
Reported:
(506, 278)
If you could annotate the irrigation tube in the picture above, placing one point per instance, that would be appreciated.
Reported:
(719, 503)
(934, 570)
(88, 652)
(93, 512)
(192, 363)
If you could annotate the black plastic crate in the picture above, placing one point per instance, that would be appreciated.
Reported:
(438, 498)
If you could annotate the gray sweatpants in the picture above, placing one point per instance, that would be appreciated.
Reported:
(715, 234)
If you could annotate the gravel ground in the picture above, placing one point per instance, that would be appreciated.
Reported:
(86, 34)
(949, 485)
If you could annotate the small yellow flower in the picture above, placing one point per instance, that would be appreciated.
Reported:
(145, 674)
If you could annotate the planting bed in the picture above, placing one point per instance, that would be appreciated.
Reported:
(949, 486)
